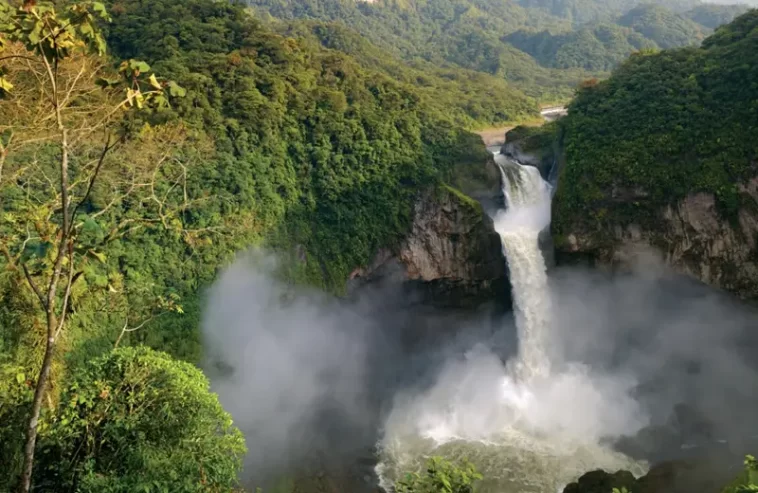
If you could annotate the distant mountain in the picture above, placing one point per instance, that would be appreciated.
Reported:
(663, 26)
(712, 16)
(463, 33)
(587, 11)
(542, 47)
(595, 48)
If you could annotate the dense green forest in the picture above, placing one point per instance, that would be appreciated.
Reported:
(446, 33)
(542, 48)
(713, 16)
(664, 125)
(143, 143)
(588, 11)
(597, 48)
(664, 27)
(245, 137)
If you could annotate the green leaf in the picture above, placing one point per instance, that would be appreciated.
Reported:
(139, 66)
(104, 83)
(99, 255)
(99, 8)
(154, 82)
(176, 90)
(20, 378)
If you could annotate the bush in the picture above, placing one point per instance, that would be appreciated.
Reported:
(441, 477)
(137, 420)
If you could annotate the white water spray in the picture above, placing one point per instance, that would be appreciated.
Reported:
(528, 427)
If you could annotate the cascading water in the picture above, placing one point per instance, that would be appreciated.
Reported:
(527, 213)
(527, 427)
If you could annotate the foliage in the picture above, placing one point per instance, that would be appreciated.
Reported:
(712, 15)
(317, 151)
(137, 420)
(664, 125)
(590, 11)
(465, 33)
(49, 169)
(595, 48)
(666, 28)
(747, 480)
(440, 477)
(470, 99)
(569, 38)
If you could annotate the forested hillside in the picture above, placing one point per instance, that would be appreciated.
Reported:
(542, 48)
(664, 27)
(663, 126)
(713, 16)
(446, 33)
(597, 48)
(586, 11)
(229, 135)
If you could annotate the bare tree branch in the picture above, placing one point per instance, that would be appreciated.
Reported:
(125, 329)
(34, 287)
(107, 147)
(67, 293)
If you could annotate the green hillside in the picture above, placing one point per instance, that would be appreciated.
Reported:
(664, 125)
(664, 27)
(543, 48)
(713, 16)
(597, 48)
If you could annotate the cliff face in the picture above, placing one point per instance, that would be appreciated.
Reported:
(451, 238)
(452, 251)
(694, 238)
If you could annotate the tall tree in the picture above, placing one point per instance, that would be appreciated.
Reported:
(54, 154)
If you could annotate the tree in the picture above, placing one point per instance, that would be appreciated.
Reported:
(749, 480)
(441, 477)
(52, 158)
(137, 420)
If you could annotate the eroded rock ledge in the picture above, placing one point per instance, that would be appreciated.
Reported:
(452, 252)
(692, 236)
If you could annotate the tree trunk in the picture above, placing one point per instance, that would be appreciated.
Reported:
(52, 322)
(31, 431)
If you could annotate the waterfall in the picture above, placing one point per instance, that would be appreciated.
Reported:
(527, 213)
(529, 426)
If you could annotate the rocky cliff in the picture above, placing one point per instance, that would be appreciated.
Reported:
(452, 252)
(692, 235)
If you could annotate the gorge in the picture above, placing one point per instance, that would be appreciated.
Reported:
(261, 244)
(616, 372)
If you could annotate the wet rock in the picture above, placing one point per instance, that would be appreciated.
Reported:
(602, 482)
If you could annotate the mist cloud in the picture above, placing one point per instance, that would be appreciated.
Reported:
(279, 359)
(305, 374)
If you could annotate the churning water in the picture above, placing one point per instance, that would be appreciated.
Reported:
(527, 427)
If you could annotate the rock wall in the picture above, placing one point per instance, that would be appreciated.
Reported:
(452, 251)
(693, 238)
